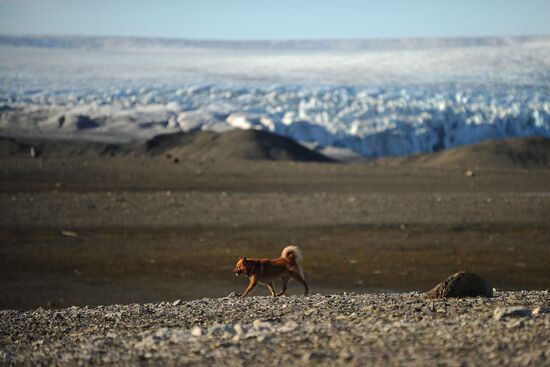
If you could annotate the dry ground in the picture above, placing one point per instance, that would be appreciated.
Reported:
(149, 229)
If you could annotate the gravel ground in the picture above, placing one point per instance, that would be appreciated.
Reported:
(382, 329)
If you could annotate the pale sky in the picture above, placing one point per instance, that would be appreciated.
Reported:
(276, 19)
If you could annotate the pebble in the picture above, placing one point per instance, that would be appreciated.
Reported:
(507, 312)
(69, 233)
(197, 331)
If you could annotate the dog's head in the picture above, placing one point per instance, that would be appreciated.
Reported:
(240, 267)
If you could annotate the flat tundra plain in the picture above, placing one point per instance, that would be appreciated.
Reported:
(91, 230)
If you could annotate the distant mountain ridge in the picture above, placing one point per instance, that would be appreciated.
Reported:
(105, 42)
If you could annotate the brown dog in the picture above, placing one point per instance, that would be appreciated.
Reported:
(264, 271)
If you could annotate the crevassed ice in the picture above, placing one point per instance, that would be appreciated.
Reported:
(389, 121)
(376, 102)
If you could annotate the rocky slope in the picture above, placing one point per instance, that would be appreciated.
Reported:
(383, 329)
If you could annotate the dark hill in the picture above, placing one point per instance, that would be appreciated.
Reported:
(525, 152)
(234, 144)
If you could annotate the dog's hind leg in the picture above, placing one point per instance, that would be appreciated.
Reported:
(300, 278)
(285, 285)
(271, 290)
(251, 285)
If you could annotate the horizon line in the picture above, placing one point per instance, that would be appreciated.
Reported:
(53, 35)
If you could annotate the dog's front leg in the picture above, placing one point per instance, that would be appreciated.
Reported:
(271, 290)
(298, 277)
(251, 285)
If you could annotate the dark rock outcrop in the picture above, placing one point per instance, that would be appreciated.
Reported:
(462, 284)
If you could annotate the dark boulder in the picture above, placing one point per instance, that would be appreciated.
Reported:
(462, 284)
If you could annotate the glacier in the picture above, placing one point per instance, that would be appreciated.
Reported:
(377, 98)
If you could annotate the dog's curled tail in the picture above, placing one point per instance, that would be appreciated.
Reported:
(292, 253)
